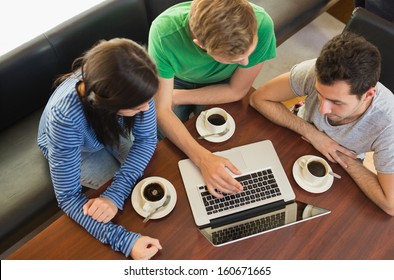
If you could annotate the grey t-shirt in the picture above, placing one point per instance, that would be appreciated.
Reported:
(373, 131)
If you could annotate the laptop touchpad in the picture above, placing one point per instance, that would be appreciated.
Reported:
(235, 157)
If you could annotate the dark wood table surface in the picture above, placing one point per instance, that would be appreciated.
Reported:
(355, 228)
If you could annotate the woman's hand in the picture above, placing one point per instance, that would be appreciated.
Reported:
(145, 248)
(100, 209)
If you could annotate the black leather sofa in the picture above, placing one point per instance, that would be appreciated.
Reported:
(26, 76)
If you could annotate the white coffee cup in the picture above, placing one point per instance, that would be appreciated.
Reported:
(153, 194)
(314, 169)
(216, 120)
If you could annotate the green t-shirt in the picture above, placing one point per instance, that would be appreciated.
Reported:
(175, 53)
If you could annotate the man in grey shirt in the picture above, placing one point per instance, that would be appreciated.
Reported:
(347, 112)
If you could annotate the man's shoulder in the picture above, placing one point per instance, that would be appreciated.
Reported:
(385, 92)
(384, 101)
(258, 9)
(303, 69)
(263, 18)
(176, 11)
(171, 20)
(307, 64)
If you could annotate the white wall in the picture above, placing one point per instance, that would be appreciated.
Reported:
(22, 20)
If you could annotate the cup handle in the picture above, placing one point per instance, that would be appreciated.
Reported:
(302, 162)
(146, 207)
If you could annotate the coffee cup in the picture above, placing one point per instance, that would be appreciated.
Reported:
(153, 194)
(314, 169)
(216, 120)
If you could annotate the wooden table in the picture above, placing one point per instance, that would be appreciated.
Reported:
(355, 229)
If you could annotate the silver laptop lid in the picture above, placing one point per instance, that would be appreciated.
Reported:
(248, 158)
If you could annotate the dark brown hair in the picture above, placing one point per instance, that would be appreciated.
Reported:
(117, 74)
(349, 57)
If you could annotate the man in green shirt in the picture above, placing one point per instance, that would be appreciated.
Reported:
(207, 52)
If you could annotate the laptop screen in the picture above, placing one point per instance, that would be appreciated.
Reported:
(266, 221)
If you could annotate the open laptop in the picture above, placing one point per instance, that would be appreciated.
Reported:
(266, 190)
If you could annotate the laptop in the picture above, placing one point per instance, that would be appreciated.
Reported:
(267, 191)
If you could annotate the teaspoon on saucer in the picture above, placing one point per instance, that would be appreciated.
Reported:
(214, 134)
(335, 175)
(168, 198)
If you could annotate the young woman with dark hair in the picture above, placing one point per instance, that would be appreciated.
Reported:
(100, 123)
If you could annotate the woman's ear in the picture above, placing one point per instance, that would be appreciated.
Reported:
(81, 88)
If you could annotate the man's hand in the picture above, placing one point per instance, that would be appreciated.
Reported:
(328, 147)
(213, 170)
(100, 209)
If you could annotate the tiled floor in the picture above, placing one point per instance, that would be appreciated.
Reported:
(305, 44)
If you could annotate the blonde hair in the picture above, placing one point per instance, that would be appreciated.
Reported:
(223, 27)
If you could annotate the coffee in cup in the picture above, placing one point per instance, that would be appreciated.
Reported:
(314, 169)
(216, 120)
(153, 194)
(317, 168)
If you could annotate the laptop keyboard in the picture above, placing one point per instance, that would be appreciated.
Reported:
(257, 186)
(249, 228)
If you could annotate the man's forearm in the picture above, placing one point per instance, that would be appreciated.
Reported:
(279, 114)
(367, 181)
(177, 133)
(212, 94)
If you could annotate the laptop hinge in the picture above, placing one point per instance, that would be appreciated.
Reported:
(246, 214)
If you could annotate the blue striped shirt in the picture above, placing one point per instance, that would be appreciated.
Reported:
(63, 133)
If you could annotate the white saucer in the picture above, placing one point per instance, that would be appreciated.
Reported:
(162, 212)
(216, 139)
(310, 187)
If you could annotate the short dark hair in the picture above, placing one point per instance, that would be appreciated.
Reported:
(351, 58)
